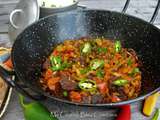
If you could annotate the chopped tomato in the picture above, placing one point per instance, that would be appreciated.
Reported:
(115, 98)
(102, 88)
(117, 55)
(55, 52)
(98, 81)
(107, 65)
(52, 81)
(48, 74)
(75, 96)
(69, 53)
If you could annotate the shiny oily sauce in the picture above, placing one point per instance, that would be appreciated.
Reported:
(92, 70)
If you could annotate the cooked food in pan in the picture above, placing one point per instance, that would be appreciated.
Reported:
(92, 70)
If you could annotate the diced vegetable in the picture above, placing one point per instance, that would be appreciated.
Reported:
(102, 88)
(102, 50)
(136, 70)
(86, 48)
(65, 93)
(97, 64)
(55, 52)
(118, 46)
(35, 111)
(156, 115)
(120, 82)
(87, 85)
(115, 98)
(75, 96)
(100, 73)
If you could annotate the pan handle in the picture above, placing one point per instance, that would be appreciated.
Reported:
(12, 15)
(82, 6)
(7, 76)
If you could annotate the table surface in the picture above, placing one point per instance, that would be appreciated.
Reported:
(140, 8)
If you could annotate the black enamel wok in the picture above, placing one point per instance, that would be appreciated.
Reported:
(36, 42)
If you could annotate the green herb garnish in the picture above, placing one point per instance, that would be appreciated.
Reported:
(96, 64)
(129, 62)
(118, 46)
(102, 50)
(85, 70)
(86, 48)
(134, 71)
(100, 73)
(57, 64)
(65, 93)
(120, 82)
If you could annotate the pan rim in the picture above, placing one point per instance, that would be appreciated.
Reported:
(82, 104)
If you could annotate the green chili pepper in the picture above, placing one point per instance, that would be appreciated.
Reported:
(88, 85)
(129, 63)
(156, 115)
(35, 111)
(85, 70)
(120, 82)
(118, 46)
(134, 71)
(97, 64)
(100, 73)
(56, 67)
(65, 64)
(102, 50)
(57, 63)
(65, 93)
(86, 48)
(55, 60)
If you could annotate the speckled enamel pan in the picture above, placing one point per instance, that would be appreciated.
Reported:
(36, 42)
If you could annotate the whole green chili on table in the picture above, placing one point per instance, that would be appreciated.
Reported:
(35, 111)
(156, 115)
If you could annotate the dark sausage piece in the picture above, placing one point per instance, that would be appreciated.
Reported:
(91, 76)
(67, 83)
(46, 64)
(82, 60)
(86, 99)
(97, 99)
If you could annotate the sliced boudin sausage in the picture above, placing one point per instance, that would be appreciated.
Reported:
(67, 82)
